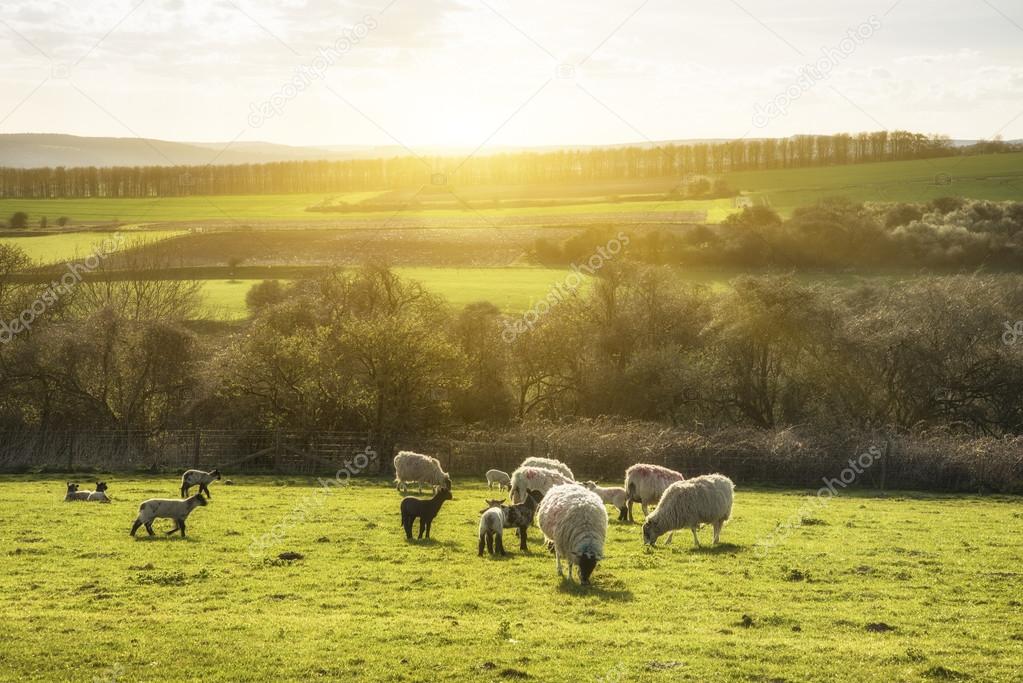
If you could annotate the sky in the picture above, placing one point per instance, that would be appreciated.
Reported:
(491, 73)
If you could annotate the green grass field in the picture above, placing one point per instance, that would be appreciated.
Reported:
(84, 602)
(56, 248)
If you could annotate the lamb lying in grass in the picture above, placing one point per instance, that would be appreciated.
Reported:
(166, 508)
(97, 496)
(688, 504)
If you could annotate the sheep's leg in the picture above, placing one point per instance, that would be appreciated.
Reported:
(135, 526)
(695, 537)
(643, 505)
(671, 535)
(428, 525)
(184, 491)
(557, 558)
(623, 514)
(181, 525)
(628, 507)
(490, 542)
(420, 486)
(500, 545)
(203, 488)
(570, 566)
(176, 523)
(422, 527)
(480, 552)
(717, 532)
(149, 528)
(522, 538)
(406, 523)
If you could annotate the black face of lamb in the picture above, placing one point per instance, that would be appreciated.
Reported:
(216, 474)
(101, 486)
(587, 563)
(71, 488)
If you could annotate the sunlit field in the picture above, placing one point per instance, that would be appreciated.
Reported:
(57, 248)
(894, 588)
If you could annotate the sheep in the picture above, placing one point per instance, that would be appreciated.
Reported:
(99, 495)
(645, 484)
(519, 516)
(549, 464)
(526, 479)
(425, 510)
(192, 477)
(166, 508)
(574, 520)
(498, 477)
(688, 504)
(422, 469)
(74, 494)
(614, 495)
(491, 530)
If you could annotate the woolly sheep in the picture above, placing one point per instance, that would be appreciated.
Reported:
(491, 530)
(422, 469)
(526, 479)
(613, 495)
(498, 477)
(198, 478)
(574, 520)
(549, 464)
(166, 508)
(688, 504)
(644, 484)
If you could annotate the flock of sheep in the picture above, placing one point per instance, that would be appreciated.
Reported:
(571, 515)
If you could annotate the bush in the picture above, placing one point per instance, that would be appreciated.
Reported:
(19, 220)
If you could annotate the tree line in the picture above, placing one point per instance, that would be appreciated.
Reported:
(563, 166)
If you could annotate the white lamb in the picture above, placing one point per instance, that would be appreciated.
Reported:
(498, 477)
(166, 508)
(612, 495)
(422, 469)
(198, 478)
(575, 521)
(526, 479)
(549, 464)
(688, 504)
(492, 531)
(644, 484)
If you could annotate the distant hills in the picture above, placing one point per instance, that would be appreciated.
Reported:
(38, 150)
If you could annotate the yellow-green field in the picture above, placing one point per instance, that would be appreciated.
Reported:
(904, 587)
(56, 248)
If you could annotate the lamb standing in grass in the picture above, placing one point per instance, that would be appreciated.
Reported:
(491, 530)
(574, 519)
(197, 477)
(422, 469)
(688, 504)
(549, 464)
(539, 479)
(519, 516)
(613, 495)
(425, 510)
(166, 508)
(498, 477)
(644, 484)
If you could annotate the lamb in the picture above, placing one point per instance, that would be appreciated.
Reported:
(425, 510)
(549, 464)
(519, 516)
(574, 519)
(193, 477)
(422, 469)
(688, 504)
(498, 477)
(74, 494)
(166, 508)
(614, 495)
(526, 479)
(491, 529)
(645, 484)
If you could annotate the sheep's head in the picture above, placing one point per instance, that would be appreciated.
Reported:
(72, 487)
(492, 504)
(590, 485)
(216, 474)
(650, 532)
(199, 500)
(587, 563)
(101, 486)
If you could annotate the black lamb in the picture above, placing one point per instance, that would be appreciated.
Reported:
(425, 510)
(519, 516)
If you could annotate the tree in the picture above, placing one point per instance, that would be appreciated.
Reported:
(63, 221)
(19, 220)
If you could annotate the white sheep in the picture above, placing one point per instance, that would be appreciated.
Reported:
(166, 508)
(498, 477)
(492, 530)
(549, 464)
(97, 496)
(422, 469)
(574, 520)
(198, 478)
(688, 504)
(526, 479)
(644, 484)
(612, 495)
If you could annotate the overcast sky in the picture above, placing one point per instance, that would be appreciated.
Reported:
(508, 72)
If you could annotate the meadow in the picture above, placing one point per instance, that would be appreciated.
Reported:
(896, 587)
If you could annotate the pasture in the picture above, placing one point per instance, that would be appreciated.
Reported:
(901, 587)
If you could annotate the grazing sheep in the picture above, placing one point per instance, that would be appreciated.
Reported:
(166, 508)
(644, 484)
(539, 479)
(422, 469)
(425, 510)
(614, 495)
(574, 519)
(193, 477)
(491, 528)
(549, 464)
(498, 477)
(688, 504)
(519, 516)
